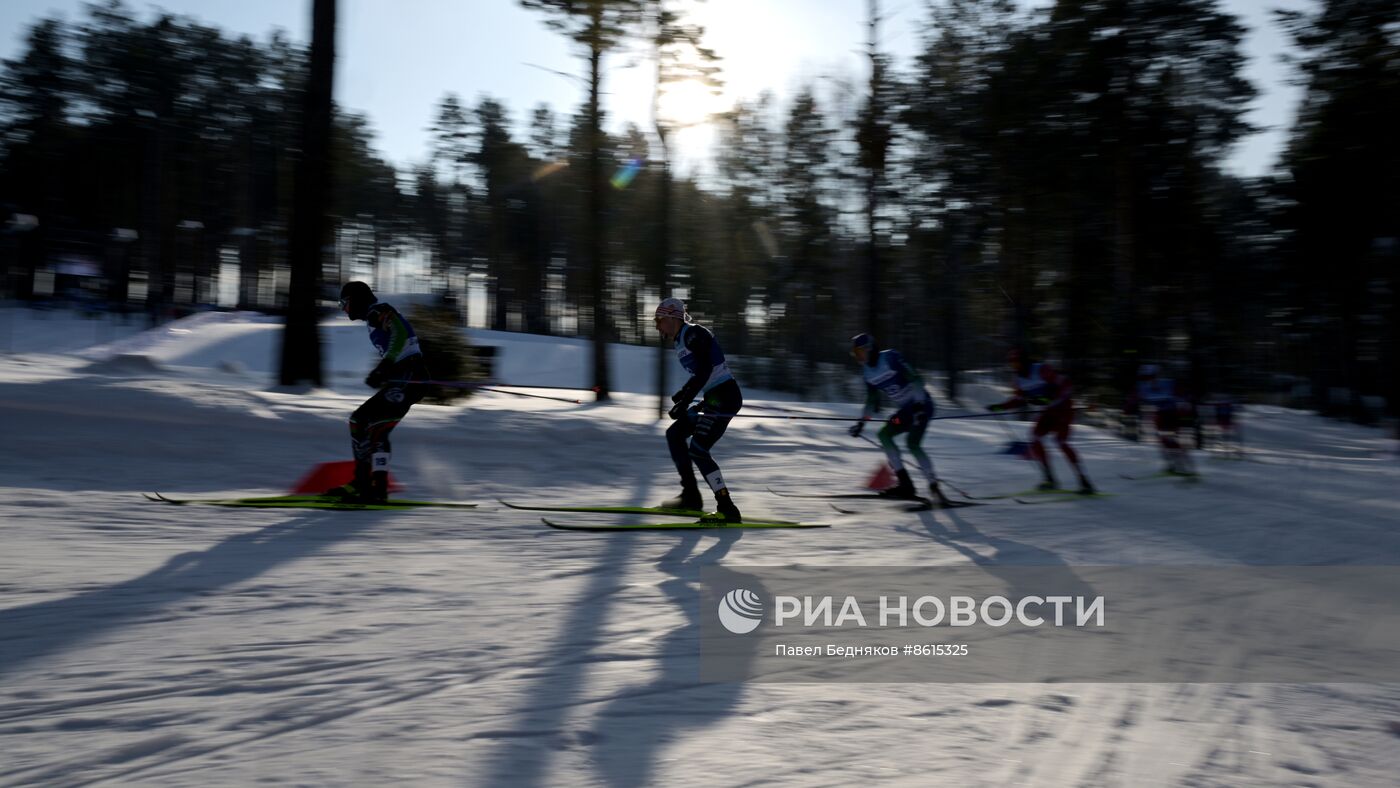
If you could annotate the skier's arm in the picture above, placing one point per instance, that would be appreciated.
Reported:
(872, 402)
(698, 343)
(1017, 400)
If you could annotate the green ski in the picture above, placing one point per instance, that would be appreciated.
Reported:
(697, 525)
(305, 502)
(657, 510)
(1065, 497)
(606, 509)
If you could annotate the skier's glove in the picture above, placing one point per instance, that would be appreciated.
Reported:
(857, 428)
(678, 410)
(376, 378)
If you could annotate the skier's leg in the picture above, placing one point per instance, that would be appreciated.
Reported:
(925, 463)
(892, 456)
(677, 437)
(1041, 428)
(917, 428)
(1062, 438)
(391, 404)
(900, 422)
(708, 430)
(359, 450)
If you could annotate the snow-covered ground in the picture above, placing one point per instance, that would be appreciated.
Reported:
(145, 644)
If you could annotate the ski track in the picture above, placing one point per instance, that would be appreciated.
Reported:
(157, 645)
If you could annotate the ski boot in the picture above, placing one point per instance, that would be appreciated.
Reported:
(725, 508)
(378, 490)
(689, 499)
(903, 489)
(939, 499)
(1085, 487)
(355, 489)
(1048, 485)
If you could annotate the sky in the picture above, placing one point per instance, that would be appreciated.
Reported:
(397, 58)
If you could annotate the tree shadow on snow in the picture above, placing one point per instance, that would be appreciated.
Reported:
(44, 629)
(1009, 559)
(635, 727)
(537, 730)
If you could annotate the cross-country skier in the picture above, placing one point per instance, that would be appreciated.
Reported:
(1041, 384)
(370, 424)
(886, 372)
(696, 429)
(1172, 410)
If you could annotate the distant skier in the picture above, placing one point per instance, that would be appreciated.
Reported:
(370, 424)
(1041, 384)
(1172, 411)
(886, 372)
(698, 428)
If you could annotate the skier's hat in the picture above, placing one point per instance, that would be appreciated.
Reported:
(355, 299)
(672, 307)
(862, 340)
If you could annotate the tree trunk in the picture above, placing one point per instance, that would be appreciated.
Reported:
(952, 292)
(301, 342)
(663, 252)
(598, 275)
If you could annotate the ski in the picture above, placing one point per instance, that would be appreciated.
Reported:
(304, 502)
(1064, 497)
(697, 525)
(874, 496)
(605, 509)
(622, 511)
(657, 510)
(1187, 477)
(926, 506)
(918, 503)
(1035, 491)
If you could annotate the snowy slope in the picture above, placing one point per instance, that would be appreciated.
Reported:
(251, 342)
(142, 644)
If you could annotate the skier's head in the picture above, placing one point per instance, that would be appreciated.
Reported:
(670, 317)
(863, 348)
(355, 299)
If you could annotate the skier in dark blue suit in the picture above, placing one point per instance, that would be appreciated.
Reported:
(698, 427)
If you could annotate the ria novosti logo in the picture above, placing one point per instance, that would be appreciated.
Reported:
(741, 611)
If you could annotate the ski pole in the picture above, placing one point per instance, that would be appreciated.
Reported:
(839, 418)
(534, 396)
(482, 387)
(1009, 433)
(482, 384)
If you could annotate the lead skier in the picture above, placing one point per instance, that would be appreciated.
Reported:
(697, 428)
